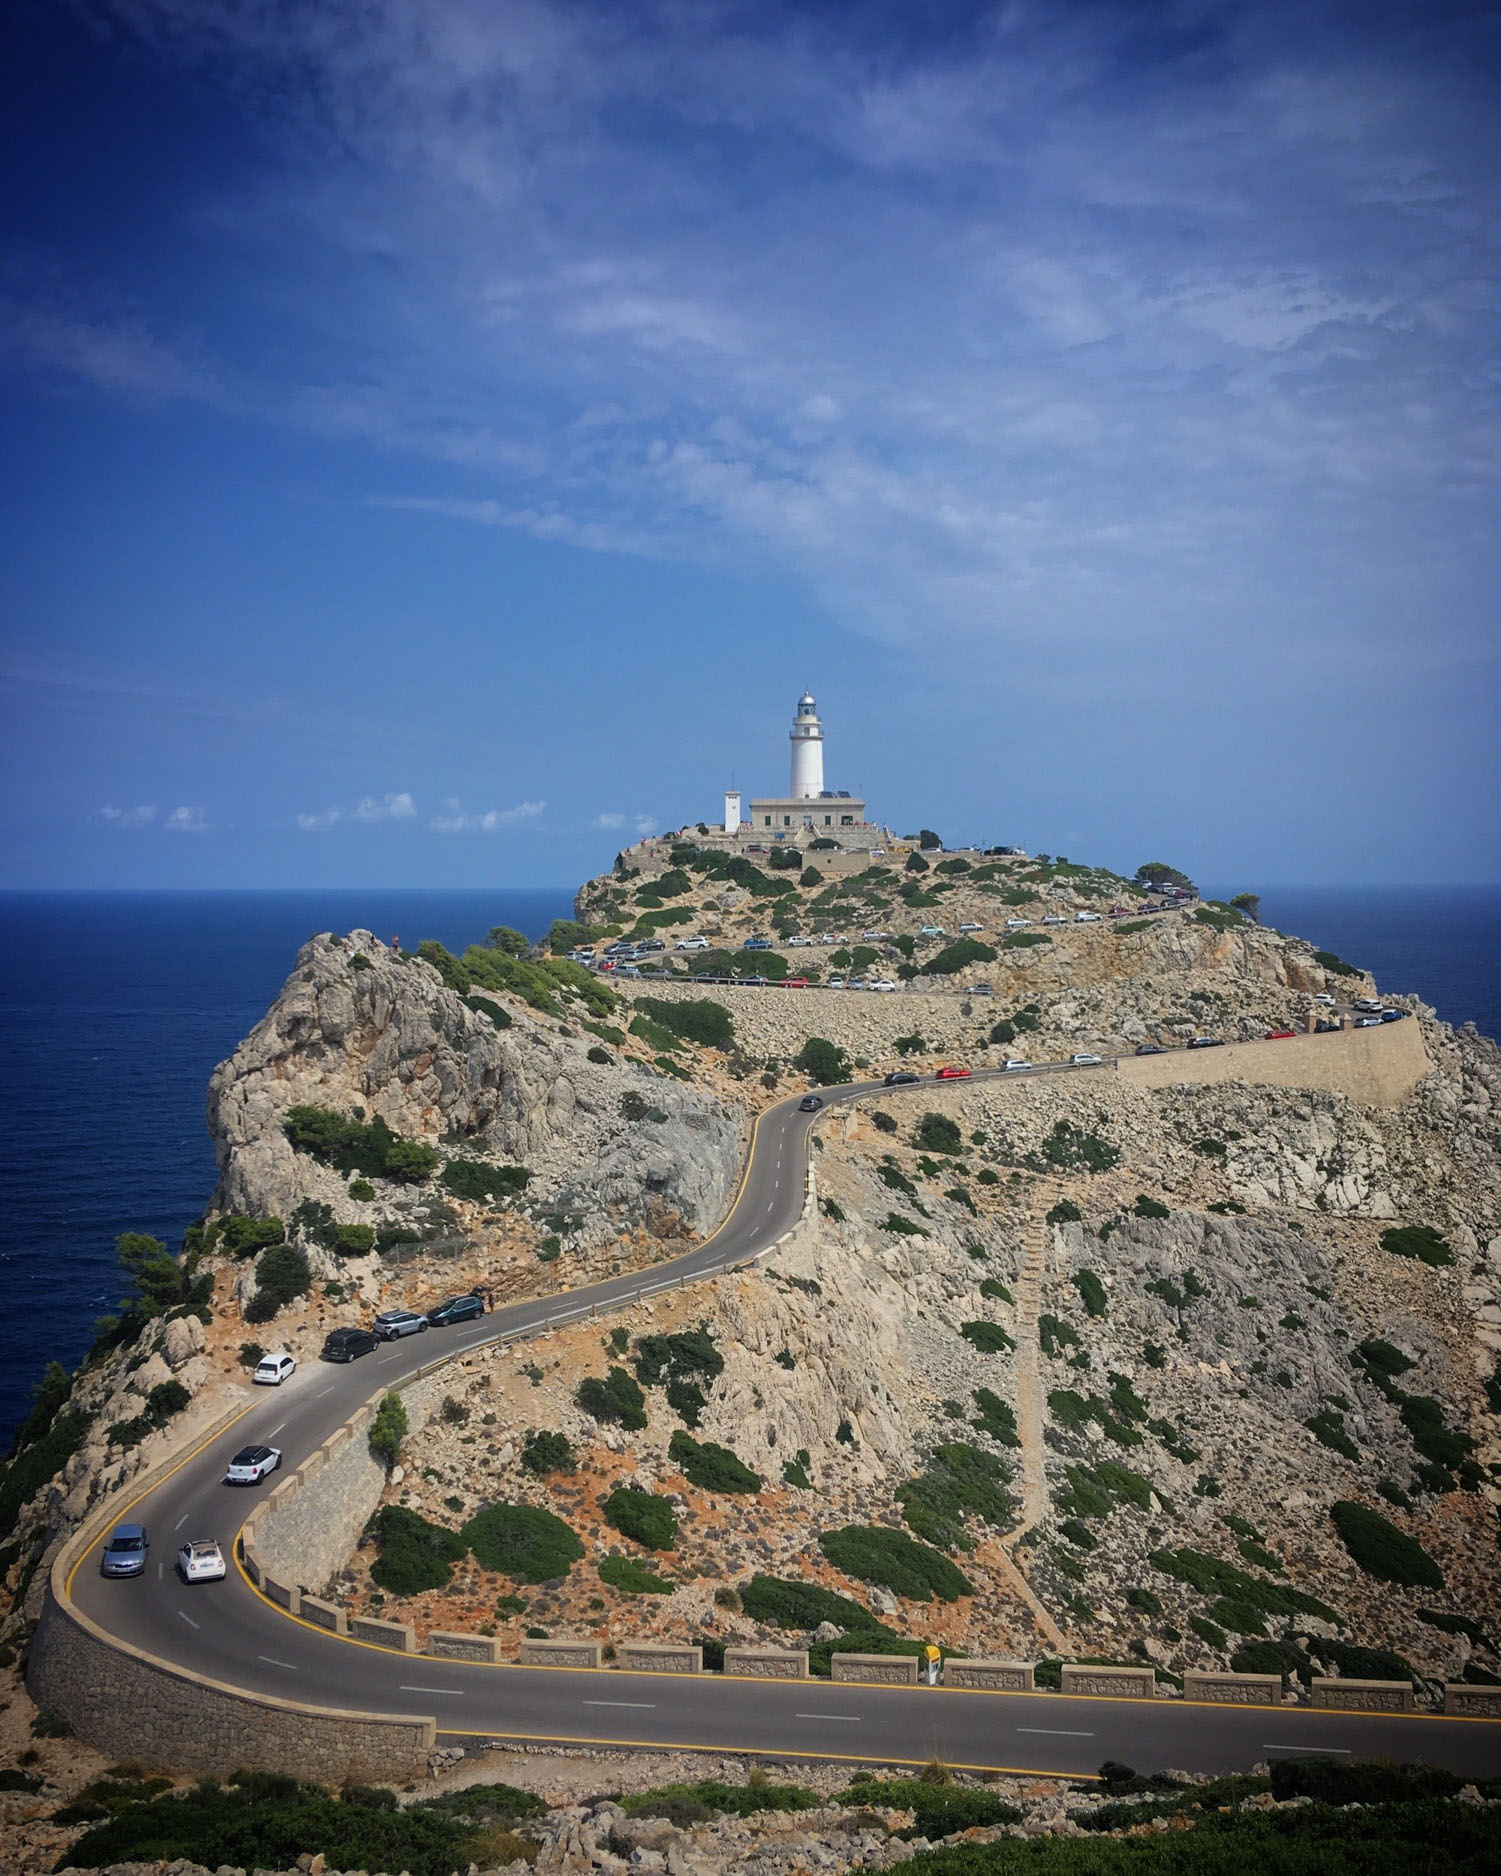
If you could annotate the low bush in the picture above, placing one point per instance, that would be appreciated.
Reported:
(781, 1603)
(413, 1555)
(522, 1541)
(1091, 1292)
(694, 1019)
(1419, 1241)
(1065, 1212)
(1211, 1576)
(358, 1146)
(938, 1810)
(354, 1240)
(995, 1418)
(1073, 1149)
(876, 1554)
(823, 1062)
(544, 1453)
(993, 1287)
(616, 1400)
(711, 1797)
(958, 1481)
(712, 1468)
(643, 1517)
(936, 1133)
(1381, 1550)
(1328, 1428)
(481, 1183)
(903, 1227)
(388, 1429)
(1148, 1207)
(988, 1337)
(632, 1578)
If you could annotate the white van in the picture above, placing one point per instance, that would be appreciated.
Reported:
(691, 944)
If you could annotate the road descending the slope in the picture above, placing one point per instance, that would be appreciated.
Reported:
(232, 1634)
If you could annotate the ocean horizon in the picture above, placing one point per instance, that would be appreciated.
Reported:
(115, 1007)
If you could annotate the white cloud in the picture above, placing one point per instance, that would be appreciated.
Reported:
(127, 817)
(454, 820)
(320, 823)
(186, 821)
(645, 824)
(609, 820)
(385, 808)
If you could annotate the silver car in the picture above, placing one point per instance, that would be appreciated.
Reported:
(125, 1551)
(392, 1324)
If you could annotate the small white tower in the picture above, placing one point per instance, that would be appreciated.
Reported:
(732, 810)
(807, 751)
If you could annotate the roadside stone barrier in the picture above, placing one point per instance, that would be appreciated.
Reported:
(1363, 1696)
(979, 1671)
(326, 1614)
(1465, 1700)
(398, 1635)
(449, 1645)
(1111, 1683)
(766, 1664)
(1233, 1690)
(566, 1652)
(875, 1670)
(283, 1596)
(661, 1658)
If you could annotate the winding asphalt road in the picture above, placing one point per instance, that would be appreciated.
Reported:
(231, 1633)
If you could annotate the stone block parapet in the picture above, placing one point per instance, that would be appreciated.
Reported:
(1466, 1700)
(282, 1594)
(979, 1671)
(766, 1664)
(661, 1658)
(875, 1670)
(1363, 1696)
(326, 1614)
(450, 1645)
(1110, 1683)
(565, 1652)
(398, 1635)
(1233, 1690)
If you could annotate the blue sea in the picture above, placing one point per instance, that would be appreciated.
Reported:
(115, 1007)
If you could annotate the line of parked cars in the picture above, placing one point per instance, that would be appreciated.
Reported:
(392, 1325)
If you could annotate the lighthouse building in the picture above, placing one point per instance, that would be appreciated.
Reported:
(808, 810)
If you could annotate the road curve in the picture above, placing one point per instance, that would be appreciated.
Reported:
(232, 1634)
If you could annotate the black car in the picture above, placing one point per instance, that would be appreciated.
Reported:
(1326, 1029)
(1150, 1048)
(810, 1104)
(456, 1309)
(899, 1078)
(1205, 1042)
(347, 1344)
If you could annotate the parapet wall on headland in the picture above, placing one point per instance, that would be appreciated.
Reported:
(1376, 1067)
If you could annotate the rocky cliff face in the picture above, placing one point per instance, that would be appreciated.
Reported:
(360, 1029)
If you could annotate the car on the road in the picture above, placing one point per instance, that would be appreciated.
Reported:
(797, 941)
(971, 924)
(1083, 1059)
(392, 1324)
(456, 1309)
(348, 1344)
(201, 1561)
(932, 931)
(756, 944)
(627, 970)
(1150, 1048)
(1048, 918)
(125, 1551)
(271, 1370)
(1205, 1042)
(1015, 1061)
(1016, 924)
(1392, 1016)
(1326, 1029)
(1086, 918)
(836, 983)
(882, 983)
(750, 980)
(876, 937)
(1369, 1004)
(977, 990)
(810, 1104)
(794, 983)
(692, 944)
(1325, 998)
(1367, 1022)
(650, 944)
(951, 1071)
(1280, 1035)
(899, 1078)
(251, 1464)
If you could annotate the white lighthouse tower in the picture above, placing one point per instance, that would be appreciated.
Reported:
(806, 737)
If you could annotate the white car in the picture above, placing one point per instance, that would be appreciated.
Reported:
(1367, 1022)
(1325, 998)
(201, 1561)
(271, 1370)
(1050, 918)
(1086, 918)
(882, 983)
(932, 931)
(691, 944)
(799, 941)
(971, 925)
(836, 983)
(1085, 1060)
(251, 1464)
(1015, 924)
(1012, 1061)
(828, 938)
(874, 937)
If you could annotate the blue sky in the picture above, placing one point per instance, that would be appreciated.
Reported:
(443, 436)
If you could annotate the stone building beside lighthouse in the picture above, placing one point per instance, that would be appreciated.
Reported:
(808, 810)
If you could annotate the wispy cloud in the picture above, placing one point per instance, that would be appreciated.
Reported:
(454, 820)
(127, 817)
(385, 808)
(187, 821)
(609, 820)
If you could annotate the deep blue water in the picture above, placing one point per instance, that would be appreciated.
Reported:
(115, 1007)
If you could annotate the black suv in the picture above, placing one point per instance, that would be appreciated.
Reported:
(347, 1344)
(456, 1309)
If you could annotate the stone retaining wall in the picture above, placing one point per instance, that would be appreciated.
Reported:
(766, 1664)
(1377, 1067)
(875, 1670)
(326, 1614)
(565, 1652)
(398, 1635)
(1115, 1683)
(661, 1658)
(1363, 1696)
(1011, 1677)
(1233, 1690)
(448, 1645)
(1465, 1700)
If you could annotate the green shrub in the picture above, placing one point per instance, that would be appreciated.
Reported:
(1024, 940)
(1328, 1428)
(544, 1453)
(780, 1603)
(710, 1796)
(1329, 961)
(1147, 1207)
(1065, 1212)
(695, 1019)
(388, 1429)
(1092, 1292)
(1053, 1334)
(43, 1456)
(938, 1810)
(413, 1555)
(988, 1337)
(1072, 1149)
(354, 1240)
(522, 1541)
(1420, 1241)
(1144, 1600)
(632, 1578)
(795, 1471)
(936, 1133)
(902, 1227)
(643, 1517)
(1211, 1576)
(712, 1468)
(677, 1357)
(1381, 1550)
(351, 1146)
(282, 1273)
(959, 956)
(238, 1236)
(616, 1400)
(487, 1006)
(994, 1288)
(959, 1480)
(995, 1418)
(876, 1554)
(480, 1182)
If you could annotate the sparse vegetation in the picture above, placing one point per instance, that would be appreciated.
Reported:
(1381, 1550)
(643, 1517)
(616, 1400)
(1419, 1241)
(522, 1541)
(712, 1468)
(876, 1554)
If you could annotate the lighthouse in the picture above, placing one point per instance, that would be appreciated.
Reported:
(806, 737)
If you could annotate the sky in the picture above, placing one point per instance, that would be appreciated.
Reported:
(441, 438)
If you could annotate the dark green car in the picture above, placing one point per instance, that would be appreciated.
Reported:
(456, 1309)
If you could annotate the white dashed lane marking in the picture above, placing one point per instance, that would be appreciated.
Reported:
(186, 1618)
(271, 1661)
(643, 1704)
(1054, 1732)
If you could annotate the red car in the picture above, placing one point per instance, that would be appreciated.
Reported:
(794, 983)
(952, 1074)
(1280, 1035)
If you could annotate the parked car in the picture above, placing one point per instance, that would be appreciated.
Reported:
(456, 1309)
(798, 941)
(810, 1104)
(627, 970)
(756, 944)
(1325, 998)
(1205, 1042)
(348, 1344)
(750, 980)
(978, 990)
(1150, 1048)
(650, 944)
(836, 983)
(1048, 918)
(1367, 1022)
(1015, 1061)
(1369, 1003)
(271, 1370)
(1016, 924)
(899, 1078)
(392, 1324)
(1280, 1035)
(794, 983)
(932, 931)
(1086, 918)
(1326, 1029)
(201, 1561)
(1392, 1016)
(696, 944)
(952, 1072)
(1083, 1059)
(251, 1464)
(971, 924)
(882, 983)
(876, 937)
(125, 1551)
